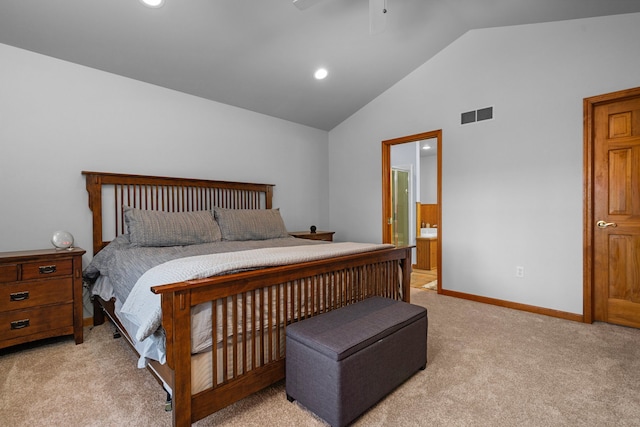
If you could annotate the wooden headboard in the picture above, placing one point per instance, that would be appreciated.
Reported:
(110, 192)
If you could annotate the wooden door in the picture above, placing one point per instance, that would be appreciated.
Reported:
(616, 209)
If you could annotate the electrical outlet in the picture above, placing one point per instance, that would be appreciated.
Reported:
(519, 271)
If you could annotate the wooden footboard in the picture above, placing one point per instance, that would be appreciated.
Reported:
(257, 307)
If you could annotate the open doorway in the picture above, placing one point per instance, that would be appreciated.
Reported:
(424, 230)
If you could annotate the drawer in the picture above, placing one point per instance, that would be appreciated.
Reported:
(319, 236)
(8, 273)
(20, 323)
(44, 268)
(19, 295)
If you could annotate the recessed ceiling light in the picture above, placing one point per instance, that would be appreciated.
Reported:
(320, 73)
(426, 147)
(152, 3)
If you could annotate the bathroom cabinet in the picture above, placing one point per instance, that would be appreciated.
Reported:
(427, 253)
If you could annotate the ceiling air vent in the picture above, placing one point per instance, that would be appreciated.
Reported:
(476, 115)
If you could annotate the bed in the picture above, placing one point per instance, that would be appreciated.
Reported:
(245, 307)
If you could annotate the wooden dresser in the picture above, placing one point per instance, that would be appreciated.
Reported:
(318, 235)
(40, 295)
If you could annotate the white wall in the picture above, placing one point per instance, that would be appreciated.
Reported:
(58, 118)
(512, 186)
(429, 180)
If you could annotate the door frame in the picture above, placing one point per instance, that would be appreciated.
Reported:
(386, 187)
(590, 105)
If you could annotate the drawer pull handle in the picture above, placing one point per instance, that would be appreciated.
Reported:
(19, 324)
(47, 269)
(19, 296)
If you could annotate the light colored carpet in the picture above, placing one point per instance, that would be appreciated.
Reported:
(487, 366)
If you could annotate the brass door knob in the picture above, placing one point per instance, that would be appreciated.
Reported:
(604, 224)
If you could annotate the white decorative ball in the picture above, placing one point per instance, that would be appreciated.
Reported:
(62, 239)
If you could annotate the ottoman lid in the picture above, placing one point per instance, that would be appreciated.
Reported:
(343, 332)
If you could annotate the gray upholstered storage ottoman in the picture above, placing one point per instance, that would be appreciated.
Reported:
(339, 364)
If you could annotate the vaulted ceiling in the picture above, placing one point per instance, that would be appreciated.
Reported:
(260, 55)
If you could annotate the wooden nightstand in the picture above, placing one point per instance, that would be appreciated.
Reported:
(318, 235)
(40, 295)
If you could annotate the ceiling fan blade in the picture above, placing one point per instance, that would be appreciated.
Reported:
(304, 4)
(377, 16)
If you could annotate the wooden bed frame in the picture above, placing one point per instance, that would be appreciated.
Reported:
(316, 286)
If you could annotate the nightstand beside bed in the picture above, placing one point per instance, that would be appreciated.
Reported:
(318, 235)
(40, 295)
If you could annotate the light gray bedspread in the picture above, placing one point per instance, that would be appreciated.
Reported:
(144, 309)
(124, 263)
(117, 268)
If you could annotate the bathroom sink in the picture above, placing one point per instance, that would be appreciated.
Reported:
(429, 232)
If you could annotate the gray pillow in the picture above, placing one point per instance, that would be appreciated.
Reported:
(250, 224)
(157, 228)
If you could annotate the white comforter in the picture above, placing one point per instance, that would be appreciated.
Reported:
(143, 307)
